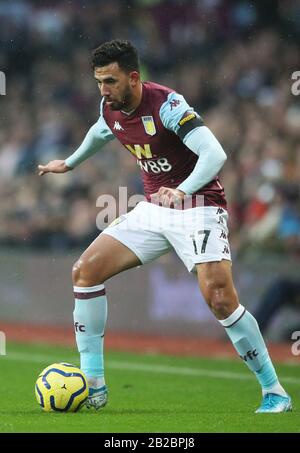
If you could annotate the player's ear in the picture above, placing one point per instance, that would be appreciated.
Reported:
(134, 78)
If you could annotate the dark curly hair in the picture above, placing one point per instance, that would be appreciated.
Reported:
(116, 51)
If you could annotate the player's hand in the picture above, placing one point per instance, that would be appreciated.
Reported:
(55, 166)
(168, 197)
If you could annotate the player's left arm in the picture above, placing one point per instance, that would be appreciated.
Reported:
(210, 161)
(178, 116)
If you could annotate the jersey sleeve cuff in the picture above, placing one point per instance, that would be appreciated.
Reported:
(70, 163)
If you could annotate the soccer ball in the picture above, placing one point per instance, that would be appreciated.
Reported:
(61, 387)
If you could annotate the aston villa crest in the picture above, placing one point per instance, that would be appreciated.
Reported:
(149, 125)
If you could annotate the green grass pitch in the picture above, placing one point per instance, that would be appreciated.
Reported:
(147, 393)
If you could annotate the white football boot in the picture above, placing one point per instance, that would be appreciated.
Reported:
(98, 394)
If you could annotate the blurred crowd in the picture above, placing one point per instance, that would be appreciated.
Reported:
(232, 60)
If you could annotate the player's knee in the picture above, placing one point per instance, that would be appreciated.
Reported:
(82, 275)
(76, 273)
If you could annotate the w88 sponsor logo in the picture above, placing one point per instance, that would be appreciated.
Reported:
(155, 166)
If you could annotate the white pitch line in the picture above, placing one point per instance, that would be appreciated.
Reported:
(201, 372)
(150, 368)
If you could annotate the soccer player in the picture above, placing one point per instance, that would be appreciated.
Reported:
(179, 156)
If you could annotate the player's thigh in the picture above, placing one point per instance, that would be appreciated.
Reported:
(129, 241)
(104, 258)
(138, 230)
(146, 245)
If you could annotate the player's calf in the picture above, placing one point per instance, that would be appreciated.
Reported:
(90, 315)
(244, 333)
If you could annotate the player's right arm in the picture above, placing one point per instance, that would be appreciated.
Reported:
(97, 136)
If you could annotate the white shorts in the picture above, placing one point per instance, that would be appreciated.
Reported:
(198, 235)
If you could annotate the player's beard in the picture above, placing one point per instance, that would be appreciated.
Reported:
(125, 103)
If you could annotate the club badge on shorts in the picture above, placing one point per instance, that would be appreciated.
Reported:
(149, 125)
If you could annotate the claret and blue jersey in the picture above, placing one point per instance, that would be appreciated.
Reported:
(153, 133)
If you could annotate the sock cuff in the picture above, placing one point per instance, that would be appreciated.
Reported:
(89, 292)
(234, 317)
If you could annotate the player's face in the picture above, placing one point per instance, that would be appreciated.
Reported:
(116, 86)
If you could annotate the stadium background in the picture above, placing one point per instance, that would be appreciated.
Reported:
(233, 61)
